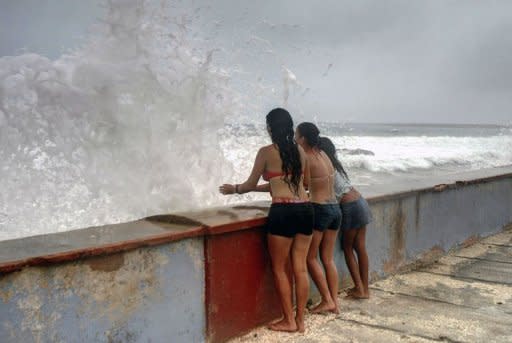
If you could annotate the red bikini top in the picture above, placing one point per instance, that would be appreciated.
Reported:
(267, 175)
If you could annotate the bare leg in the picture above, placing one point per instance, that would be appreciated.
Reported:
(289, 273)
(317, 274)
(300, 271)
(362, 259)
(352, 264)
(331, 272)
(279, 248)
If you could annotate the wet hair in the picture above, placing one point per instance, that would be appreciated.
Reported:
(280, 123)
(327, 146)
(310, 132)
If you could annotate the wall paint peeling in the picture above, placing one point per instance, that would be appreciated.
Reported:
(108, 298)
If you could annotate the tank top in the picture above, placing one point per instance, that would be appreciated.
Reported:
(342, 185)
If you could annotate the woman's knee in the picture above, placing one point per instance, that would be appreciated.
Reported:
(277, 272)
(300, 269)
(278, 268)
(312, 265)
(311, 259)
(326, 257)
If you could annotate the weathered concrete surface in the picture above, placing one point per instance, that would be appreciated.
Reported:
(430, 304)
(108, 239)
(145, 295)
(414, 182)
(427, 223)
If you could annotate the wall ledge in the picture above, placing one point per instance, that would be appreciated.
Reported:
(66, 246)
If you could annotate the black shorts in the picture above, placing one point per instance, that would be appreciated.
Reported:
(289, 219)
(327, 216)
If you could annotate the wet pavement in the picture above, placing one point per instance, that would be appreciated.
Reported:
(466, 296)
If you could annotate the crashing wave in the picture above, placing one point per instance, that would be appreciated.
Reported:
(124, 127)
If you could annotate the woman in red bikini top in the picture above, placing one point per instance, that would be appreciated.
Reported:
(290, 219)
(278, 181)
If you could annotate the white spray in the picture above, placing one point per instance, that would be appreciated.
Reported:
(124, 127)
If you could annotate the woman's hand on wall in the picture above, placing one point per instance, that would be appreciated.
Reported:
(227, 189)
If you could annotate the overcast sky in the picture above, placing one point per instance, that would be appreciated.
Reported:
(365, 60)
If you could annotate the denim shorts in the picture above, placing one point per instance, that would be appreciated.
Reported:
(327, 216)
(356, 214)
(289, 219)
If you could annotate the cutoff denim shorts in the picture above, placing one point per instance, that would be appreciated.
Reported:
(327, 216)
(356, 214)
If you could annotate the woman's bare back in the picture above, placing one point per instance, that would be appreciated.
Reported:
(273, 168)
(321, 187)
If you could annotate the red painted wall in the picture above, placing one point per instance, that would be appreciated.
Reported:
(240, 292)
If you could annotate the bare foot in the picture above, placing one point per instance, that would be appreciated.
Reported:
(357, 296)
(283, 325)
(300, 324)
(324, 307)
(355, 290)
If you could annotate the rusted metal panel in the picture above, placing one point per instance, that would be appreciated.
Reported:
(240, 291)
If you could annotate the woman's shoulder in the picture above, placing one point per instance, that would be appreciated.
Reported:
(266, 150)
(268, 147)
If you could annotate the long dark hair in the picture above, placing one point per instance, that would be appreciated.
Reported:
(280, 123)
(328, 147)
(310, 132)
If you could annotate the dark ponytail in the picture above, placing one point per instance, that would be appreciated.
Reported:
(280, 123)
(310, 132)
(327, 146)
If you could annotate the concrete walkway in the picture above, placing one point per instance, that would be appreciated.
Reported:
(466, 296)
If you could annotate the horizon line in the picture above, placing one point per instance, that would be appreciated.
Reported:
(420, 123)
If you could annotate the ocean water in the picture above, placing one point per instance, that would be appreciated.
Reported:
(376, 154)
(142, 119)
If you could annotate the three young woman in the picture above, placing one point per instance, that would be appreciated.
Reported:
(299, 226)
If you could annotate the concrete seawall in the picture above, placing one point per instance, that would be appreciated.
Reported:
(205, 276)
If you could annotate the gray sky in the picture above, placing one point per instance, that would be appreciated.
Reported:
(391, 61)
(47, 27)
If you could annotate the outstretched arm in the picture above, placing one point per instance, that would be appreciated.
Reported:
(251, 184)
(264, 187)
